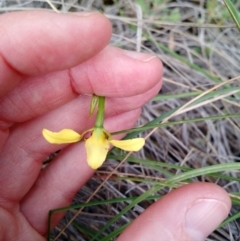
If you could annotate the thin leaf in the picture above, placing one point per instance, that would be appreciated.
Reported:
(233, 11)
(148, 126)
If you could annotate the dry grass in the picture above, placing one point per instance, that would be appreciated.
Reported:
(174, 31)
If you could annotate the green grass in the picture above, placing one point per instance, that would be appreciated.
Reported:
(233, 11)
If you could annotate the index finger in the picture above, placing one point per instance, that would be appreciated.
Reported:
(39, 42)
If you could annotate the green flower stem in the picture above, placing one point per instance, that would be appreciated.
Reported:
(100, 112)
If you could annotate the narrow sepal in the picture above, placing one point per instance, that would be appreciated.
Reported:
(129, 145)
(62, 137)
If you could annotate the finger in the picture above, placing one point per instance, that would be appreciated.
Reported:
(59, 182)
(113, 106)
(3, 137)
(51, 42)
(189, 213)
(117, 73)
(21, 230)
(111, 73)
(25, 149)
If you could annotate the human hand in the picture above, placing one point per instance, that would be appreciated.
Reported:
(49, 63)
(189, 213)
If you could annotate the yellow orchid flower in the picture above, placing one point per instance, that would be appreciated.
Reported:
(97, 145)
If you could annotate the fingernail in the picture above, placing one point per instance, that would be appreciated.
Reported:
(203, 217)
(85, 14)
(139, 56)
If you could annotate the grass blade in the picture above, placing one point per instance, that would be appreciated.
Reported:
(233, 11)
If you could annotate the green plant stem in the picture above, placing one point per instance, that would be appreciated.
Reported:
(100, 112)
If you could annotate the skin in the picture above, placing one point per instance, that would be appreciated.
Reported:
(49, 65)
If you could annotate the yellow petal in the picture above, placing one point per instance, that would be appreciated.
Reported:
(129, 145)
(62, 137)
(97, 147)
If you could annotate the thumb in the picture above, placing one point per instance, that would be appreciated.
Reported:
(189, 213)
